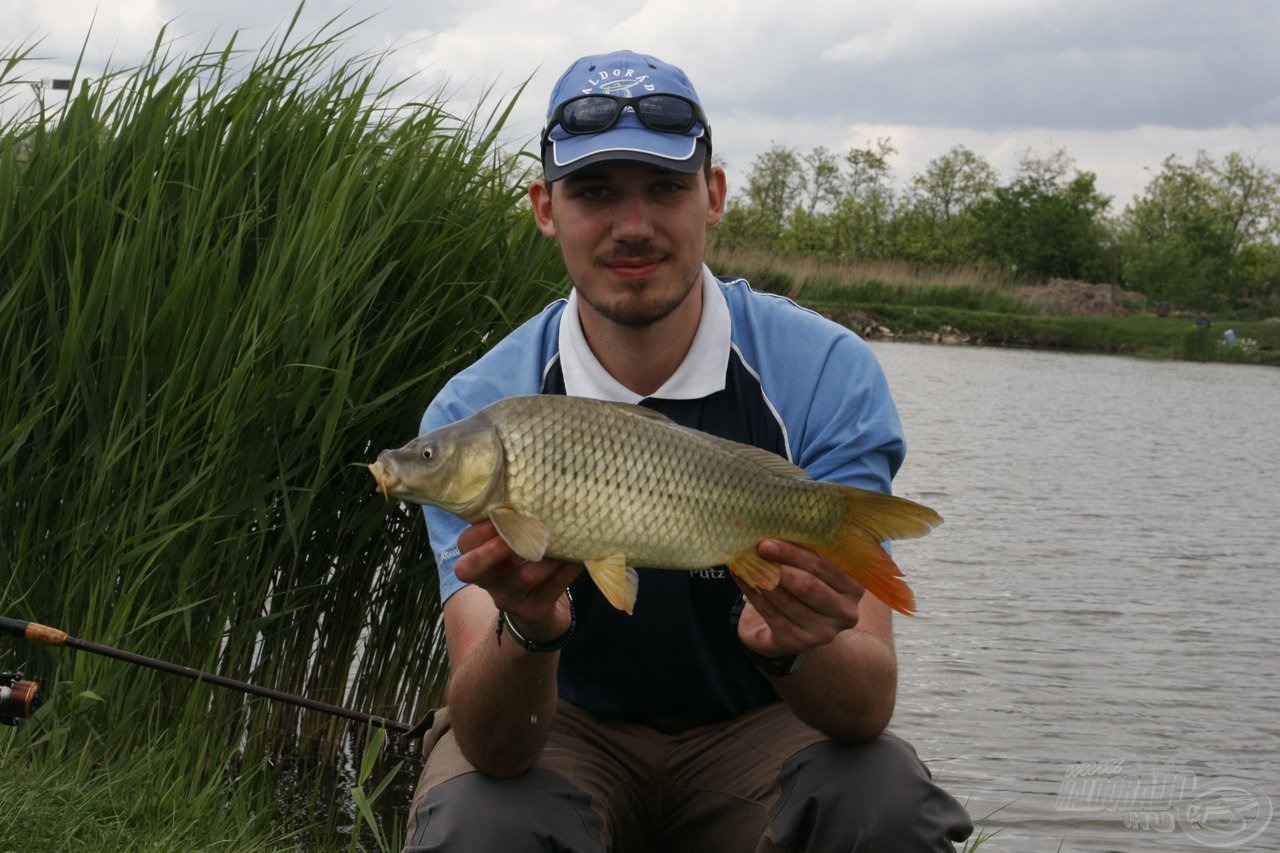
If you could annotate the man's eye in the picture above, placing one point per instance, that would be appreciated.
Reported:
(671, 186)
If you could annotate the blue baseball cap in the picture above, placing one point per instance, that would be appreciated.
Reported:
(623, 74)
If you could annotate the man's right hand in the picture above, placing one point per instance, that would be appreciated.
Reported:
(502, 697)
(530, 593)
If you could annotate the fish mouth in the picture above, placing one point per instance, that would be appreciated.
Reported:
(386, 478)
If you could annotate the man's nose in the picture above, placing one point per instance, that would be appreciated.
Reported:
(633, 220)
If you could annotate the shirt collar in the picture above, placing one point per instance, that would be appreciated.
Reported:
(700, 374)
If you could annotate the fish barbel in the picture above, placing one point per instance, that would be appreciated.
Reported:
(615, 486)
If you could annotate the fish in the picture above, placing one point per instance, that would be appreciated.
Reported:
(616, 487)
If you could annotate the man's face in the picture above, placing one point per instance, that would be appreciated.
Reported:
(633, 235)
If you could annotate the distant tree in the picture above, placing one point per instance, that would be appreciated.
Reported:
(822, 184)
(1043, 225)
(744, 227)
(809, 230)
(861, 223)
(759, 217)
(937, 221)
(777, 182)
(817, 204)
(1203, 228)
(867, 172)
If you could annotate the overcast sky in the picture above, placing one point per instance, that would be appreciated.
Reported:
(1120, 84)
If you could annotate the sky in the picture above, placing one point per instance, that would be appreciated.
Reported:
(1119, 84)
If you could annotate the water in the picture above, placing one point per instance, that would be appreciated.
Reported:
(1095, 660)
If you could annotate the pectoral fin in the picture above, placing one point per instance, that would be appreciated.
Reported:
(758, 572)
(526, 535)
(616, 580)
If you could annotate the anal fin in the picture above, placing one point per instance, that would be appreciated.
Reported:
(617, 581)
(756, 571)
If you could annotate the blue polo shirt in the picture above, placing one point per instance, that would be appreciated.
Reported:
(762, 371)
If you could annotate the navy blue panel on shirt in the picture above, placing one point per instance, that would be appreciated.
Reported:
(678, 656)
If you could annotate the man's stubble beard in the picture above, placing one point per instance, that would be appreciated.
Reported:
(633, 313)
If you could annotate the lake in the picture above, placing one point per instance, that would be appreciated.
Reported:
(1095, 661)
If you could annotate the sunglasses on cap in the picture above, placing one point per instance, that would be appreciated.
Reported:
(598, 113)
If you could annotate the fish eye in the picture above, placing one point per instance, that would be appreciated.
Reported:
(427, 453)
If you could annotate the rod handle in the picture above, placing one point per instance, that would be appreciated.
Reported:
(13, 627)
(33, 631)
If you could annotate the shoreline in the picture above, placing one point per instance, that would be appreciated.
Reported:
(1169, 338)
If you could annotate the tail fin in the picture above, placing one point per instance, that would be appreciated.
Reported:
(869, 519)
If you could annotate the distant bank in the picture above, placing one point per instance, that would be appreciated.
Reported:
(1170, 337)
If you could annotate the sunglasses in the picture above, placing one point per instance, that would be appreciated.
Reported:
(598, 113)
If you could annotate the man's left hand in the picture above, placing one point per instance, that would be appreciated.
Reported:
(813, 602)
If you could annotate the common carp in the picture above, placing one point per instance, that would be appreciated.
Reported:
(615, 486)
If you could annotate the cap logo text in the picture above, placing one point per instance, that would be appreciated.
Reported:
(619, 81)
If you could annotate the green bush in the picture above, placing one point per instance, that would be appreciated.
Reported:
(1199, 345)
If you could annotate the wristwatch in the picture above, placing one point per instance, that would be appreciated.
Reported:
(778, 667)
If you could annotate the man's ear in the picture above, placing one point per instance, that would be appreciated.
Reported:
(717, 190)
(540, 200)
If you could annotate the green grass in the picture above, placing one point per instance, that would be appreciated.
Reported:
(880, 293)
(159, 798)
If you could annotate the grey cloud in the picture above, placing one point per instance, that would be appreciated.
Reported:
(1096, 66)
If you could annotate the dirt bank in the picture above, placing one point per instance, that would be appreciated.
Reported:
(1065, 298)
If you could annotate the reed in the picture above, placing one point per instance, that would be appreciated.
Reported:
(227, 279)
(804, 274)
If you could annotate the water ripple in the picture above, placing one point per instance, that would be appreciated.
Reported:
(1104, 591)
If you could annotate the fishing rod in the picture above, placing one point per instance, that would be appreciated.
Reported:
(20, 698)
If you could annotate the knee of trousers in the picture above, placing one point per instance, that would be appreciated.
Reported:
(871, 796)
(538, 810)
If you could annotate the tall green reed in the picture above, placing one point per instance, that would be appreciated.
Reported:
(227, 280)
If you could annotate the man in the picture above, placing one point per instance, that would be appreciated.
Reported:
(717, 718)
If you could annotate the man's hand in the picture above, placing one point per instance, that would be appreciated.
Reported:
(847, 687)
(530, 593)
(503, 698)
(813, 602)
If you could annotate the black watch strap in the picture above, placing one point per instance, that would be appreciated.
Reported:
(778, 667)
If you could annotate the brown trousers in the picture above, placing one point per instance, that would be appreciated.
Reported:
(761, 782)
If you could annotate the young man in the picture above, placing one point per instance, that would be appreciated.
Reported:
(717, 718)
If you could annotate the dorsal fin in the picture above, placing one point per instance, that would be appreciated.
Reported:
(644, 411)
(771, 462)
